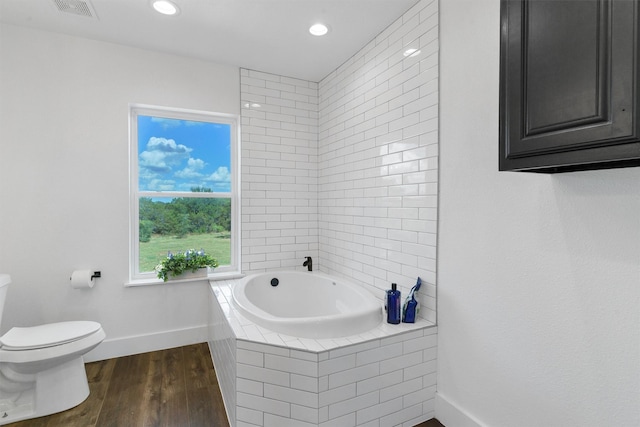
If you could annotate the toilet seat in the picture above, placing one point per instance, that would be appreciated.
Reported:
(50, 354)
(49, 335)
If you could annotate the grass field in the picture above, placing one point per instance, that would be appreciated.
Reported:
(218, 245)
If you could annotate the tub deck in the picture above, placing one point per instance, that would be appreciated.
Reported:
(246, 330)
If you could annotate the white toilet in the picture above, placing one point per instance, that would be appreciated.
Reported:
(41, 367)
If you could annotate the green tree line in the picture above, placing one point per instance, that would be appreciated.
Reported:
(184, 215)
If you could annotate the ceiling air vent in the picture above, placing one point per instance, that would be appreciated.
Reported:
(76, 7)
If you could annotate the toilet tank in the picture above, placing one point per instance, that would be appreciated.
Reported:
(5, 279)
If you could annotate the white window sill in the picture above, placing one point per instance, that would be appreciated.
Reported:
(210, 278)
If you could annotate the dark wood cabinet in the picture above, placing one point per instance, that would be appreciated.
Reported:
(569, 76)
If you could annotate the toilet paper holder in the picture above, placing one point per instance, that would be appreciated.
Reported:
(84, 279)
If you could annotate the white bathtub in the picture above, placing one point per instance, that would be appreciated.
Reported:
(307, 304)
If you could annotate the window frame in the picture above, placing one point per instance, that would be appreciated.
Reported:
(137, 278)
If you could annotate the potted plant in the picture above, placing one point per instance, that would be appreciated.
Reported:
(191, 260)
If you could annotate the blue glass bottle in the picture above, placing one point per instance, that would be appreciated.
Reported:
(393, 305)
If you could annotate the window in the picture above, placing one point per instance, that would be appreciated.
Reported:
(184, 187)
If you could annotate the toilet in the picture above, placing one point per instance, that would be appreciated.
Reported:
(41, 367)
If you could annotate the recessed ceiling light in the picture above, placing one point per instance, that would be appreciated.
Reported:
(318, 29)
(410, 53)
(165, 7)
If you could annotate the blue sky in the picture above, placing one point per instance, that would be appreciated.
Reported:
(176, 155)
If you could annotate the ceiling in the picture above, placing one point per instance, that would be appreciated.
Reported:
(265, 35)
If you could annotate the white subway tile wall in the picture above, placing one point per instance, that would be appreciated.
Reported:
(279, 171)
(378, 160)
(403, 396)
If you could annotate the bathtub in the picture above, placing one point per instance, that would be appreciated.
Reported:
(307, 304)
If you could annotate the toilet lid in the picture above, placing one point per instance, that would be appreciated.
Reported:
(47, 335)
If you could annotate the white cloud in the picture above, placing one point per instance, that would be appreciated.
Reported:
(162, 154)
(220, 175)
(160, 185)
(166, 123)
(191, 171)
(166, 145)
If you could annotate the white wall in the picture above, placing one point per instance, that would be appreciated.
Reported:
(64, 179)
(539, 275)
(378, 160)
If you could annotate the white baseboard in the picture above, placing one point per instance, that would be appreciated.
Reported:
(452, 415)
(135, 344)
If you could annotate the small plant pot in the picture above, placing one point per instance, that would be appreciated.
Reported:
(186, 275)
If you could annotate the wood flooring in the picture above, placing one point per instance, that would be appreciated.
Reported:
(431, 423)
(167, 388)
(172, 388)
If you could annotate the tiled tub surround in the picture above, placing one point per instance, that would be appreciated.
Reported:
(384, 377)
(344, 170)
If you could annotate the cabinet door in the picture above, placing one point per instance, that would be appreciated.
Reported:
(568, 94)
